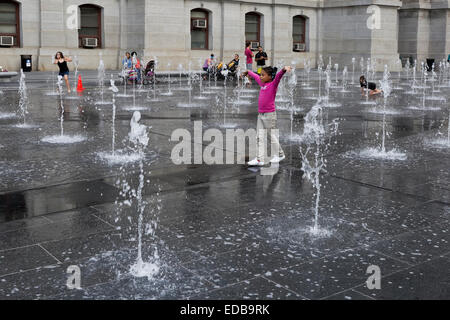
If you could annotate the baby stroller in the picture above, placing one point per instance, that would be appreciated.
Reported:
(149, 73)
(229, 69)
(128, 75)
(232, 68)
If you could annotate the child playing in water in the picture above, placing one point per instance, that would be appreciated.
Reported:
(372, 86)
(267, 116)
(61, 61)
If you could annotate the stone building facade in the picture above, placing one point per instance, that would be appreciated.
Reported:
(182, 31)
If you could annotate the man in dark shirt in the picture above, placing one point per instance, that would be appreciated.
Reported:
(260, 59)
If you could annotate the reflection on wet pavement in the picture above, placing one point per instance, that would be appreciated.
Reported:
(224, 231)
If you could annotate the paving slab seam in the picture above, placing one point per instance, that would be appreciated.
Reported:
(48, 222)
(362, 283)
(49, 253)
(393, 258)
(335, 294)
(202, 278)
(77, 237)
(21, 247)
(215, 288)
(384, 188)
(281, 286)
(104, 221)
(29, 270)
(400, 270)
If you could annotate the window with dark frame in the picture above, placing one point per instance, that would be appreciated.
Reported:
(90, 24)
(10, 20)
(253, 27)
(199, 34)
(298, 31)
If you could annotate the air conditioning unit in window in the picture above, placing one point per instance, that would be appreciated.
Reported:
(6, 41)
(254, 45)
(90, 42)
(299, 47)
(199, 23)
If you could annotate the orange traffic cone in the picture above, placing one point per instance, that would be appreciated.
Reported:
(80, 84)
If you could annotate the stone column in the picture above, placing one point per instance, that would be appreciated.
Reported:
(122, 32)
(52, 32)
(349, 30)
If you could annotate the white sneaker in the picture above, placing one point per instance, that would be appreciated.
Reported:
(277, 159)
(255, 163)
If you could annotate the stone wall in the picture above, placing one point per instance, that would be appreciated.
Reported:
(161, 29)
(424, 29)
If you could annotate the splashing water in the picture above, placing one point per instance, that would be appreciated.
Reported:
(327, 84)
(61, 138)
(344, 79)
(361, 65)
(180, 69)
(336, 67)
(353, 70)
(381, 153)
(23, 101)
(62, 105)
(307, 65)
(442, 141)
(326, 102)
(169, 88)
(139, 139)
(315, 142)
(292, 84)
(76, 62)
(117, 157)
(114, 89)
(320, 70)
(7, 115)
(386, 88)
(101, 80)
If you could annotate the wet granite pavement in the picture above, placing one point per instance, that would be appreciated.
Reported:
(224, 231)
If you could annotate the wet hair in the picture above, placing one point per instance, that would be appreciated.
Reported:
(271, 71)
(134, 53)
(247, 44)
(60, 53)
(212, 54)
(362, 78)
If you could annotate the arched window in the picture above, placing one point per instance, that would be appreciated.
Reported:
(199, 29)
(9, 23)
(90, 32)
(299, 33)
(253, 29)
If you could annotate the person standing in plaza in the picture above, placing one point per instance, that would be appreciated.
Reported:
(61, 61)
(260, 58)
(249, 54)
(267, 117)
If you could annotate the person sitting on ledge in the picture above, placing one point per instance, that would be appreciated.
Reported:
(371, 86)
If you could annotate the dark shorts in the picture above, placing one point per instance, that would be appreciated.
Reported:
(62, 74)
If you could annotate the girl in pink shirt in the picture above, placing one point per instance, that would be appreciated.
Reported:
(267, 117)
